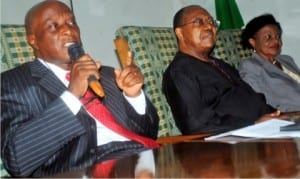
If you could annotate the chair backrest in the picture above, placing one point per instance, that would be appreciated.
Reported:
(155, 47)
(14, 48)
(228, 47)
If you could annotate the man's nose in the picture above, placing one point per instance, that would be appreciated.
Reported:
(65, 29)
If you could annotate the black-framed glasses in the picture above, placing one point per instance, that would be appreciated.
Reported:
(199, 22)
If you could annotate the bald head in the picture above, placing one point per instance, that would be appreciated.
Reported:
(180, 15)
(37, 11)
(50, 27)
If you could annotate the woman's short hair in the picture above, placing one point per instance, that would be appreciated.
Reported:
(255, 25)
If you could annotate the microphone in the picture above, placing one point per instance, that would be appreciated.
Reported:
(76, 51)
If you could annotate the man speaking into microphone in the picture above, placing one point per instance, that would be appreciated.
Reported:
(51, 120)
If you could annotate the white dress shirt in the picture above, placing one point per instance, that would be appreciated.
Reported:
(104, 134)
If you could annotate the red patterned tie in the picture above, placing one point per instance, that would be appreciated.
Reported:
(104, 169)
(94, 106)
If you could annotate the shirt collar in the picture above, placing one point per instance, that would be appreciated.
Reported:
(59, 72)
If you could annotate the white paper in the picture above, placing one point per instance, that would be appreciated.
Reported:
(266, 129)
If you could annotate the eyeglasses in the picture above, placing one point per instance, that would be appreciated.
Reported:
(199, 22)
(269, 37)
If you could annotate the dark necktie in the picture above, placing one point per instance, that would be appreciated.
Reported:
(215, 64)
(277, 64)
(95, 107)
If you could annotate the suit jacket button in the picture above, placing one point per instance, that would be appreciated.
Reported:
(92, 151)
(92, 127)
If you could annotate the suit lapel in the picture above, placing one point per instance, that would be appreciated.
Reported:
(271, 69)
(48, 81)
(288, 65)
(47, 78)
(113, 99)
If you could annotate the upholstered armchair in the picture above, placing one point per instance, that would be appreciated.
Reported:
(154, 48)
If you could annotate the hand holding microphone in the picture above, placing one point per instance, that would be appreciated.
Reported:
(75, 52)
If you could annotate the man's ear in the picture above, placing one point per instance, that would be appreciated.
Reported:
(32, 42)
(178, 32)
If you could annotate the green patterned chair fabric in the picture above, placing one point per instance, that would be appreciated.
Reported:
(229, 48)
(14, 48)
(155, 47)
(14, 51)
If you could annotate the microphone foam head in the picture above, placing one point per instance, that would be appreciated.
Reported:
(75, 51)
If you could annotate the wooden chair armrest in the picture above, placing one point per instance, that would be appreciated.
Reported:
(183, 138)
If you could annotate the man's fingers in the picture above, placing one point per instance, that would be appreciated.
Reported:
(129, 60)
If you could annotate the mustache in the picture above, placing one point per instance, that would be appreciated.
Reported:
(208, 31)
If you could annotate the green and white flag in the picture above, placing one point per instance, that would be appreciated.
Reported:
(228, 14)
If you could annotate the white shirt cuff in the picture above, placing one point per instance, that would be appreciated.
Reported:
(138, 103)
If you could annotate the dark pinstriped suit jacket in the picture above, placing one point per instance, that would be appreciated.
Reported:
(40, 136)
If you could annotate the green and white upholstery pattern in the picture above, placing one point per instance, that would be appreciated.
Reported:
(228, 47)
(155, 47)
(14, 48)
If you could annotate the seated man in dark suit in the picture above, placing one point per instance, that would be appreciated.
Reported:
(45, 128)
(206, 94)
